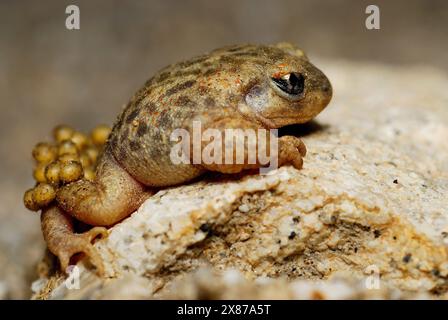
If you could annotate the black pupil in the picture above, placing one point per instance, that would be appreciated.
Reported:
(294, 85)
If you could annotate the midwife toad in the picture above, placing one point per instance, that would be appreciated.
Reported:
(243, 86)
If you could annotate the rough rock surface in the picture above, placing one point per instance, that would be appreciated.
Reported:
(372, 200)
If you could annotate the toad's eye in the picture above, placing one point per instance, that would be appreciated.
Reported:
(291, 85)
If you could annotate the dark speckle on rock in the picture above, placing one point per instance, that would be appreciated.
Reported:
(407, 258)
(435, 272)
(205, 227)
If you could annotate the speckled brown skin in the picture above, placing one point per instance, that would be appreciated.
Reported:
(230, 87)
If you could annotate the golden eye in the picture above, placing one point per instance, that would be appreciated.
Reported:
(292, 84)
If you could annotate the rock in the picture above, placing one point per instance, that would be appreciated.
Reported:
(230, 284)
(371, 202)
(206, 283)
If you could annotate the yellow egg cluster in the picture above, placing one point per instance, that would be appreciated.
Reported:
(72, 156)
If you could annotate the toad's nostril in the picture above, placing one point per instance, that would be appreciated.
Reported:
(326, 87)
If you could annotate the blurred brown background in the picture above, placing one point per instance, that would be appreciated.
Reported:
(50, 75)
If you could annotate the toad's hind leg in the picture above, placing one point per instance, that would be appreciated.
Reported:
(58, 231)
(111, 197)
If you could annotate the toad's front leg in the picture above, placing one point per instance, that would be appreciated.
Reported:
(291, 150)
(259, 150)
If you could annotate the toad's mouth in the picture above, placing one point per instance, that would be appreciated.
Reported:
(281, 121)
(277, 122)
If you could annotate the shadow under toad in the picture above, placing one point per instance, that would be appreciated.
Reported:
(302, 130)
